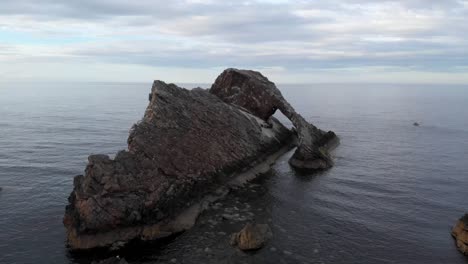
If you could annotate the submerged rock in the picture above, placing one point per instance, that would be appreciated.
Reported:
(251, 237)
(415, 124)
(460, 233)
(255, 93)
(189, 144)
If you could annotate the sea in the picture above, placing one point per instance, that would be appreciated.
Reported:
(394, 194)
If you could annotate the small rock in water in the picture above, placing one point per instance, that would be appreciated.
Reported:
(460, 233)
(251, 237)
(287, 252)
(174, 260)
(272, 249)
(415, 124)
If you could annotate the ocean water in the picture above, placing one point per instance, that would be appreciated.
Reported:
(394, 194)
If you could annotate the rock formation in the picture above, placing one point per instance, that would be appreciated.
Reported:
(251, 237)
(189, 144)
(255, 93)
(460, 233)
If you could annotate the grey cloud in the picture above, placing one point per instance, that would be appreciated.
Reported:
(245, 34)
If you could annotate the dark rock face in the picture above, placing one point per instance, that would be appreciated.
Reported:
(251, 237)
(255, 93)
(188, 144)
(460, 233)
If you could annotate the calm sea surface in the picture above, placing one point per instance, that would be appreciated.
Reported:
(393, 196)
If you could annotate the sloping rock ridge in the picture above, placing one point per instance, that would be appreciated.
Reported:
(189, 145)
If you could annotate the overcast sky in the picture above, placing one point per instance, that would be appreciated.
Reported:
(422, 41)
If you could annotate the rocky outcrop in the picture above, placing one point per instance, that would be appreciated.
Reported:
(189, 145)
(251, 237)
(460, 233)
(255, 93)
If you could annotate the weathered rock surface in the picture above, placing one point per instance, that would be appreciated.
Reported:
(188, 143)
(460, 233)
(255, 93)
(251, 237)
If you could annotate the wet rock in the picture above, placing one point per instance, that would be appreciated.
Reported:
(460, 233)
(415, 124)
(255, 93)
(113, 260)
(251, 237)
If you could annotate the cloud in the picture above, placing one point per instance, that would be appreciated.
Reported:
(294, 36)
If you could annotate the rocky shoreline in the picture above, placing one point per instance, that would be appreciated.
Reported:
(189, 150)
